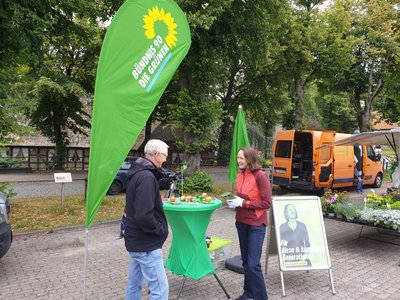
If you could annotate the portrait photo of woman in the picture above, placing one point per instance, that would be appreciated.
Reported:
(294, 240)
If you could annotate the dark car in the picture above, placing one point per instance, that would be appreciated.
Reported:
(119, 183)
(5, 226)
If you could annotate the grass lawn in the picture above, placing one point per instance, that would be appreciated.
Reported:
(388, 151)
(386, 177)
(46, 213)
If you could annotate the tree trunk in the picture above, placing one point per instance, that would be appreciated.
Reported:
(298, 114)
(364, 119)
(192, 159)
(60, 148)
(224, 144)
(364, 114)
(193, 163)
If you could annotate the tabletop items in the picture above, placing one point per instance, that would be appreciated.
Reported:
(204, 198)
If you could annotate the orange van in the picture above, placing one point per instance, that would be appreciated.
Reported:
(298, 163)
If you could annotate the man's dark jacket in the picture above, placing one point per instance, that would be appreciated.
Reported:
(146, 225)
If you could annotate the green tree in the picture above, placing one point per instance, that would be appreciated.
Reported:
(388, 105)
(303, 41)
(373, 44)
(227, 64)
(57, 39)
(337, 113)
(59, 111)
(195, 121)
(21, 23)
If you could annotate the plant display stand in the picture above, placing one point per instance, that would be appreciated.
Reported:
(382, 231)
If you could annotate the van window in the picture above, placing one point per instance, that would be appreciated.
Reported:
(283, 149)
(325, 155)
(370, 152)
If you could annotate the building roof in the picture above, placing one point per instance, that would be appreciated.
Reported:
(82, 141)
(380, 124)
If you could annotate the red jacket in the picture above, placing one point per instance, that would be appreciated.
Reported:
(255, 189)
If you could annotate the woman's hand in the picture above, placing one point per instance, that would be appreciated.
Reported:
(233, 203)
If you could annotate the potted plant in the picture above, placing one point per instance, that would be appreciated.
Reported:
(351, 211)
(367, 217)
(389, 219)
(339, 210)
(329, 200)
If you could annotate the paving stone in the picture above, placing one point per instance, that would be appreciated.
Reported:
(51, 267)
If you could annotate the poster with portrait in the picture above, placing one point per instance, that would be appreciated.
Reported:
(300, 233)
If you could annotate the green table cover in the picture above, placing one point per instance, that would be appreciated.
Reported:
(188, 255)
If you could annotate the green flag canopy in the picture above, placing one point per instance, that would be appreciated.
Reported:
(143, 47)
(240, 139)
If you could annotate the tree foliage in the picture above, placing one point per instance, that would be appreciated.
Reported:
(58, 112)
(195, 122)
(373, 50)
(228, 65)
(56, 45)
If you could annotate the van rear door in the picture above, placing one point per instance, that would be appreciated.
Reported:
(324, 167)
(282, 157)
(372, 167)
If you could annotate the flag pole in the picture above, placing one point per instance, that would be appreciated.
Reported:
(85, 263)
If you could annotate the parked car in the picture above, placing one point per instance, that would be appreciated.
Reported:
(5, 226)
(119, 183)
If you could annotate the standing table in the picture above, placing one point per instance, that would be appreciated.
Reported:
(188, 255)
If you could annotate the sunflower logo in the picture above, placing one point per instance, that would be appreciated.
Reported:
(156, 15)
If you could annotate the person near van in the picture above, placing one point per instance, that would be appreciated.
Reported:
(146, 225)
(254, 198)
(358, 176)
(294, 243)
(378, 151)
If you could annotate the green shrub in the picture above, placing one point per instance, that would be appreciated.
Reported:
(339, 209)
(198, 182)
(9, 162)
(395, 205)
(395, 195)
(7, 190)
(352, 210)
(393, 167)
(376, 201)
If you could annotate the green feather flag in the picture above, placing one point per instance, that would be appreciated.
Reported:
(240, 139)
(143, 47)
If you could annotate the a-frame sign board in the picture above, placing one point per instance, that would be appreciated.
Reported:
(300, 235)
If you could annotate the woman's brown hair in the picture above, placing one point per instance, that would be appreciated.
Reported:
(250, 155)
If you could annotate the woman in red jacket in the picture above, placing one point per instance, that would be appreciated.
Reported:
(254, 198)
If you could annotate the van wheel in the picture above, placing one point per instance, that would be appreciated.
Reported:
(283, 187)
(115, 188)
(378, 181)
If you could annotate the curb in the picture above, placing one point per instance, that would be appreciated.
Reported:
(39, 180)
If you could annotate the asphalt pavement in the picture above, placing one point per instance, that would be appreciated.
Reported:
(42, 184)
(28, 185)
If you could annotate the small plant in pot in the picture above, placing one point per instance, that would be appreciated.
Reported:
(339, 211)
(351, 211)
(328, 202)
(367, 217)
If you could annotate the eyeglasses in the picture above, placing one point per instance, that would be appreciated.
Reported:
(166, 155)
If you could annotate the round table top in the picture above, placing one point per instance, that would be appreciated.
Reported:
(194, 206)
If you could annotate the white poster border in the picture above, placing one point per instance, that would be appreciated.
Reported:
(277, 203)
